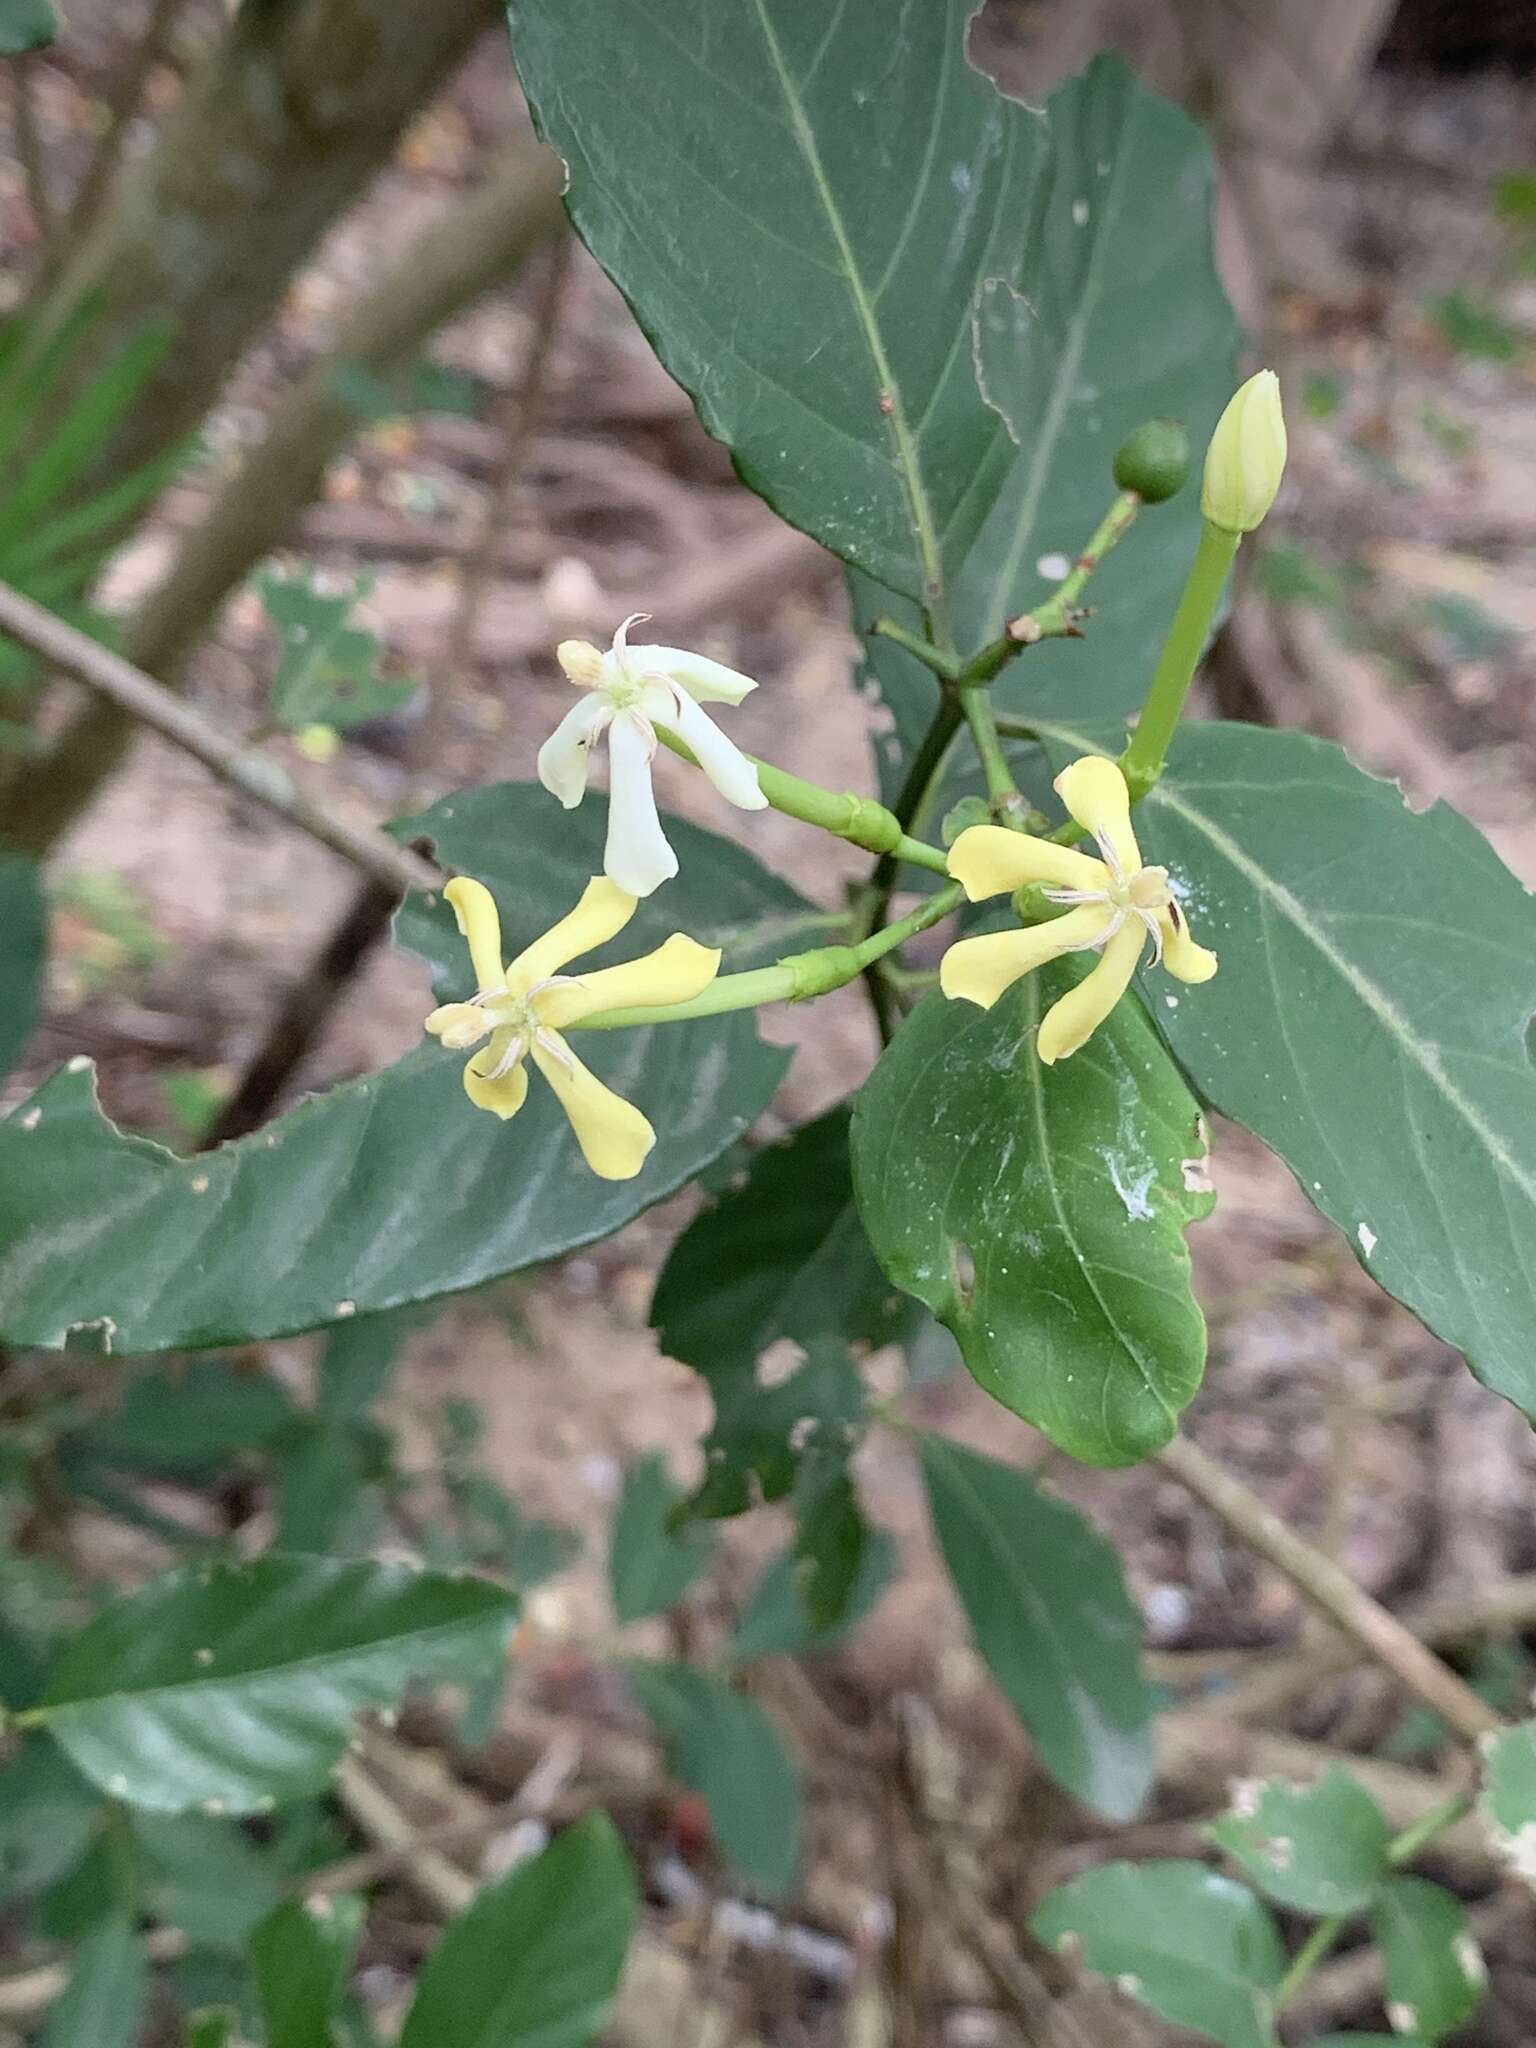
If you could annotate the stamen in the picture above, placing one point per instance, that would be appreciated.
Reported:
(1155, 929)
(1097, 945)
(1076, 895)
(509, 1059)
(1111, 858)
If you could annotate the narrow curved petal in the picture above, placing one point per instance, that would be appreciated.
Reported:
(706, 681)
(1181, 956)
(505, 1094)
(614, 1137)
(475, 909)
(721, 759)
(1095, 794)
(637, 855)
(989, 861)
(565, 755)
(1072, 1021)
(675, 973)
(458, 1025)
(979, 970)
(602, 913)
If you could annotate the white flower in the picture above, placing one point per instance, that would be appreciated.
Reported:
(629, 692)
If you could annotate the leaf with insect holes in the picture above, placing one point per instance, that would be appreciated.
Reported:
(232, 1686)
(1320, 1848)
(533, 1961)
(328, 669)
(392, 1189)
(1040, 1211)
(1050, 1614)
(1198, 1949)
(1507, 1802)
(1435, 1973)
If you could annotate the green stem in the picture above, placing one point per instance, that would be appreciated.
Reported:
(1059, 615)
(797, 979)
(1143, 759)
(1007, 805)
(944, 664)
(1401, 1850)
(858, 819)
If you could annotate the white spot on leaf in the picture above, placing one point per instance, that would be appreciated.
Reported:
(1367, 1238)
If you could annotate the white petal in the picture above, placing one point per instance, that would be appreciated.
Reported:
(721, 759)
(563, 756)
(637, 855)
(708, 682)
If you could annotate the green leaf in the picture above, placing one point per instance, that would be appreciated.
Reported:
(767, 1430)
(103, 2003)
(831, 1535)
(775, 1621)
(534, 1960)
(1040, 1211)
(724, 1747)
(392, 1189)
(1435, 1972)
(1370, 1021)
(649, 1566)
(190, 1417)
(205, 1876)
(48, 1815)
(214, 2028)
(319, 1493)
(26, 25)
(1198, 1949)
(782, 1255)
(23, 943)
(1321, 1848)
(1048, 1609)
(752, 175)
(327, 671)
(1508, 1799)
(1473, 328)
(232, 1686)
(301, 1957)
(1114, 316)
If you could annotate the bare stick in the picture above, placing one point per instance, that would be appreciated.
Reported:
(1331, 1590)
(127, 95)
(242, 768)
(29, 148)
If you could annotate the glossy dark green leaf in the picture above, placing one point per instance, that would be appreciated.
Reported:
(1040, 1211)
(1321, 1848)
(724, 1747)
(1049, 1612)
(23, 939)
(831, 1537)
(782, 1255)
(360, 1360)
(1198, 1949)
(394, 1188)
(1370, 956)
(1507, 1802)
(755, 172)
(1114, 316)
(1435, 1973)
(327, 669)
(775, 1621)
(301, 1957)
(533, 1961)
(651, 1564)
(102, 2005)
(768, 1428)
(232, 1686)
(48, 1814)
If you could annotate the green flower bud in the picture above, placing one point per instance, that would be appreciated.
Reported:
(1153, 461)
(1246, 458)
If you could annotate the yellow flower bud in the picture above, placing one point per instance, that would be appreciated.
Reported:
(1246, 458)
(582, 662)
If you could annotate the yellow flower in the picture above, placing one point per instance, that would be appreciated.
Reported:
(526, 1004)
(1117, 904)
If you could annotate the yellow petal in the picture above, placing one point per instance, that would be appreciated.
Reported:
(458, 1025)
(1181, 956)
(987, 861)
(1072, 1021)
(614, 1137)
(603, 911)
(978, 970)
(1094, 791)
(475, 908)
(508, 1092)
(674, 973)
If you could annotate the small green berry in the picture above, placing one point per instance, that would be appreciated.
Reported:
(1153, 461)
